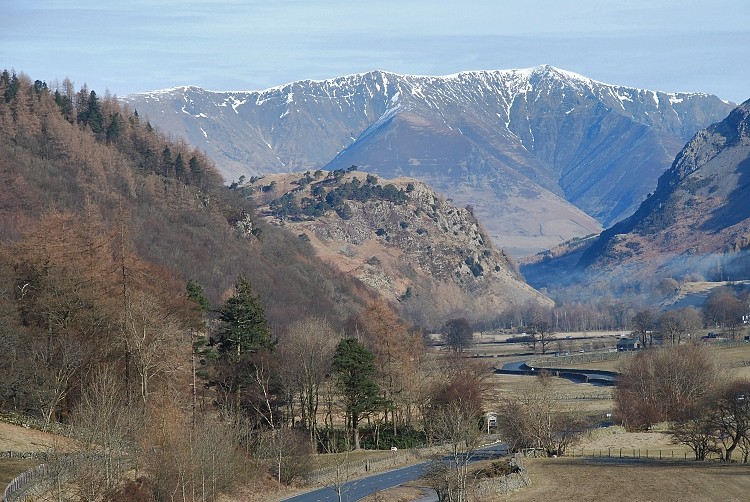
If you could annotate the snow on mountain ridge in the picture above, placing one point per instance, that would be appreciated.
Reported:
(512, 81)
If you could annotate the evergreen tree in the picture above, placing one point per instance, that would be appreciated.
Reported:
(93, 115)
(167, 163)
(196, 294)
(244, 328)
(195, 168)
(354, 366)
(115, 128)
(179, 166)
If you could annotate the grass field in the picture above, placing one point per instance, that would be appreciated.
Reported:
(582, 480)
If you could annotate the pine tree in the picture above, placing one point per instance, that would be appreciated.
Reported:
(179, 166)
(244, 328)
(354, 366)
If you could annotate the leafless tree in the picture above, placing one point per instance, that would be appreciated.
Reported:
(305, 352)
(105, 428)
(733, 416)
(536, 419)
(457, 424)
(664, 384)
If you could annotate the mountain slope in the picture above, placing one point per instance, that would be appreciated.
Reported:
(176, 215)
(400, 238)
(697, 222)
(541, 153)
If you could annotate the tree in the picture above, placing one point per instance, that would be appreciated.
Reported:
(667, 384)
(197, 295)
(674, 325)
(354, 367)
(397, 354)
(456, 424)
(106, 428)
(167, 162)
(305, 353)
(458, 334)
(539, 323)
(732, 408)
(724, 309)
(535, 419)
(698, 432)
(179, 166)
(244, 328)
(644, 325)
(243, 332)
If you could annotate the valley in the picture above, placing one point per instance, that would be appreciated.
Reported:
(354, 287)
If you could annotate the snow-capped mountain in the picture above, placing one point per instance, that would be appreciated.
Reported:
(541, 154)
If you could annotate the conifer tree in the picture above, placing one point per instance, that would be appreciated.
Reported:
(354, 366)
(244, 328)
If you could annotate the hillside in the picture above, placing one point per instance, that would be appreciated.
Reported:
(696, 225)
(63, 150)
(400, 238)
(543, 155)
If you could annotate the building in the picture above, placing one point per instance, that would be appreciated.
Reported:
(628, 344)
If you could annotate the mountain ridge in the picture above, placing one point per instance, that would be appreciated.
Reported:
(567, 143)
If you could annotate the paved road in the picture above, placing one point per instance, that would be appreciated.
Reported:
(360, 488)
(595, 377)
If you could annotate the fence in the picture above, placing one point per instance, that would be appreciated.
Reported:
(349, 470)
(21, 483)
(638, 454)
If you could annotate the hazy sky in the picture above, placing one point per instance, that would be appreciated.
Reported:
(140, 45)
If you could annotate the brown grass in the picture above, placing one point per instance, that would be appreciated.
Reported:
(584, 480)
(17, 438)
(12, 467)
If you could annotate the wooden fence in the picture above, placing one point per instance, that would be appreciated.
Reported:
(637, 453)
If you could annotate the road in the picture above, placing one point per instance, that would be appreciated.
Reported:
(595, 377)
(360, 488)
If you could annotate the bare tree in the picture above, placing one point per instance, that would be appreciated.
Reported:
(540, 324)
(457, 424)
(305, 353)
(287, 452)
(458, 334)
(644, 325)
(105, 427)
(664, 384)
(536, 419)
(733, 416)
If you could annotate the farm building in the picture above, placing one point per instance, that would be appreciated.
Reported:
(627, 344)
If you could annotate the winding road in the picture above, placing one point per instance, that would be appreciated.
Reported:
(360, 488)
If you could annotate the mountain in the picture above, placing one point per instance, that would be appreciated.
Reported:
(695, 226)
(542, 155)
(400, 238)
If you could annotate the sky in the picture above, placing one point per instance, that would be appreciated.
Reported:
(134, 46)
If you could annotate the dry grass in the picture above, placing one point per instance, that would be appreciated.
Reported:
(581, 397)
(12, 467)
(584, 480)
(16, 438)
(396, 494)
